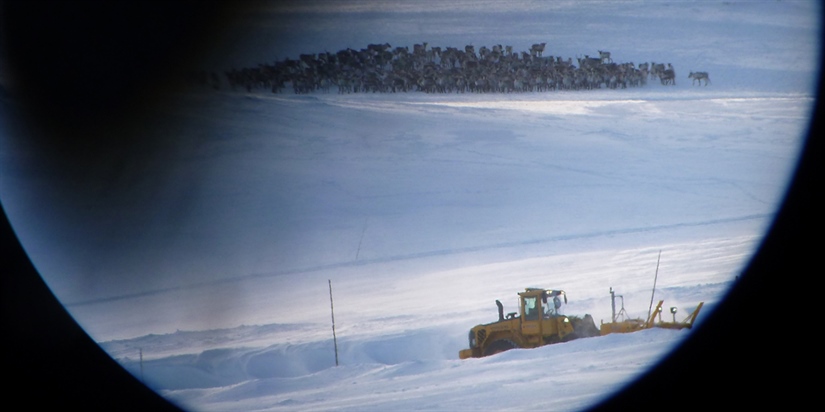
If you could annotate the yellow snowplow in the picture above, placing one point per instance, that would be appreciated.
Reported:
(620, 324)
(538, 322)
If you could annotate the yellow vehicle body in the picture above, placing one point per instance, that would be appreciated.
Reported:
(633, 325)
(536, 324)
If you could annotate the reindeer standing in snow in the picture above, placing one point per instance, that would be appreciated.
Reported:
(698, 77)
(537, 49)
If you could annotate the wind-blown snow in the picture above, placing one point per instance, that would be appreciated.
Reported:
(422, 210)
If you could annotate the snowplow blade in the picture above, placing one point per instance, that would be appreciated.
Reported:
(627, 326)
(584, 327)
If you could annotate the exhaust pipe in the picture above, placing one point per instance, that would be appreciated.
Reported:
(500, 310)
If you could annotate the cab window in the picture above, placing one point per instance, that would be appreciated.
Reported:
(531, 310)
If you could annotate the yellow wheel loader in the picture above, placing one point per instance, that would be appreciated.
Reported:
(538, 322)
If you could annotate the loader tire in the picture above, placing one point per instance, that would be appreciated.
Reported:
(500, 345)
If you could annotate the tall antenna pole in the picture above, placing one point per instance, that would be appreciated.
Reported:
(361, 239)
(613, 303)
(654, 284)
(332, 311)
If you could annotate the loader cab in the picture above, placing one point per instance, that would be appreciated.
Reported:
(541, 314)
(541, 303)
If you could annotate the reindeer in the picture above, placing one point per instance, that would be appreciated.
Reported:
(588, 62)
(308, 60)
(668, 77)
(656, 70)
(698, 77)
(381, 68)
(378, 48)
(537, 49)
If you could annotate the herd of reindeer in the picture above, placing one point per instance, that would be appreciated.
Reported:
(380, 68)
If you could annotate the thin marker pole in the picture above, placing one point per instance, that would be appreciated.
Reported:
(654, 285)
(332, 311)
(141, 364)
(361, 239)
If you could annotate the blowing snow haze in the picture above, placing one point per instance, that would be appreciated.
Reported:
(155, 205)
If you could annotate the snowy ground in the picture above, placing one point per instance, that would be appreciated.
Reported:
(422, 210)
